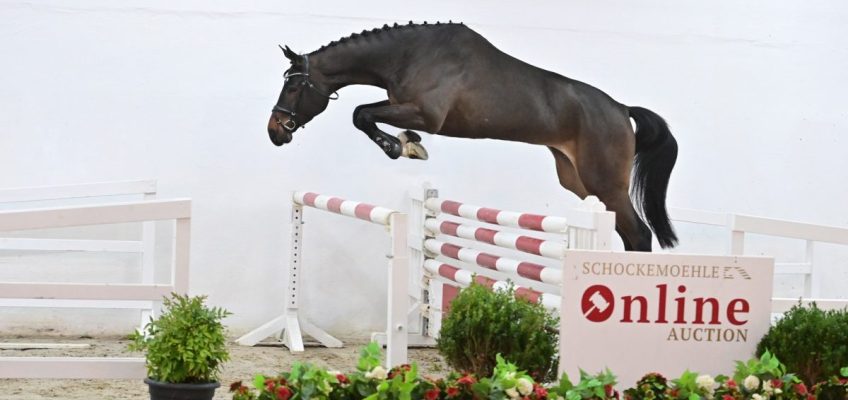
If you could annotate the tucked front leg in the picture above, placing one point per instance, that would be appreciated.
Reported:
(406, 116)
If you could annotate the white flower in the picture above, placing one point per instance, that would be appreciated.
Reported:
(525, 386)
(559, 398)
(767, 387)
(751, 383)
(778, 391)
(756, 396)
(706, 382)
(512, 393)
(378, 373)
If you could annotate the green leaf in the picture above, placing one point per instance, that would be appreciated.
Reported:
(259, 382)
(565, 383)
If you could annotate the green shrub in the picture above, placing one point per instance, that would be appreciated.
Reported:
(809, 341)
(483, 323)
(186, 344)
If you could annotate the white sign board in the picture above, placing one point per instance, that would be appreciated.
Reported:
(645, 312)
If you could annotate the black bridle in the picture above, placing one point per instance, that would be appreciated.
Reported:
(291, 125)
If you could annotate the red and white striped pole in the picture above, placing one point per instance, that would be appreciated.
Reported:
(527, 244)
(465, 278)
(494, 262)
(513, 219)
(350, 208)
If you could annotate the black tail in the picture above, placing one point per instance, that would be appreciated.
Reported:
(656, 153)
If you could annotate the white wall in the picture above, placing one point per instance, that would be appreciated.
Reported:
(181, 91)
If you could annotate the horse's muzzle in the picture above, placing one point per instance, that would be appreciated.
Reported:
(278, 134)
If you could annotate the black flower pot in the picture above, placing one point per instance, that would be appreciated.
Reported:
(181, 391)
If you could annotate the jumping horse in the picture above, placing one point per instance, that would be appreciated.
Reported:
(446, 79)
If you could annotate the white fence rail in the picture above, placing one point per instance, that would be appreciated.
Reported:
(738, 226)
(103, 191)
(87, 190)
(100, 295)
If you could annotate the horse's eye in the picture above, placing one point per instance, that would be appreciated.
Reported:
(292, 89)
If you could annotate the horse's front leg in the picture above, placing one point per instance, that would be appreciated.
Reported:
(408, 116)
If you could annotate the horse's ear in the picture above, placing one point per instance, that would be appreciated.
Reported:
(291, 55)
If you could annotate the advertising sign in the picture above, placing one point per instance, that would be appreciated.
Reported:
(645, 312)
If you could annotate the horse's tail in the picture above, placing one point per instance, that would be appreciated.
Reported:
(656, 153)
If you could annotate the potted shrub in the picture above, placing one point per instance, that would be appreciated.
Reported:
(185, 348)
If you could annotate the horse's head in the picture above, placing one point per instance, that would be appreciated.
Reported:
(304, 95)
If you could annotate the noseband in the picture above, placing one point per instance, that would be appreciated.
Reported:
(291, 125)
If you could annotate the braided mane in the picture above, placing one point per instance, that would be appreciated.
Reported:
(378, 31)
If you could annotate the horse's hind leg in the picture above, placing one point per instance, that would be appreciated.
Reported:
(366, 117)
(604, 166)
(568, 177)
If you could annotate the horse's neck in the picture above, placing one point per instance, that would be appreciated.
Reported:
(366, 64)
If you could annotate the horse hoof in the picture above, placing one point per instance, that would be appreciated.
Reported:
(409, 136)
(415, 151)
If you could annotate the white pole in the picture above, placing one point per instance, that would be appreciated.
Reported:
(148, 259)
(812, 282)
(398, 293)
(292, 335)
(182, 249)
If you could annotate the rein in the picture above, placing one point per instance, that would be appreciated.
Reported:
(291, 125)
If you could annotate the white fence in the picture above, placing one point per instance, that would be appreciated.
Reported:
(105, 191)
(737, 226)
(133, 295)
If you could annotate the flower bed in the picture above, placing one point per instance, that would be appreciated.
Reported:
(757, 379)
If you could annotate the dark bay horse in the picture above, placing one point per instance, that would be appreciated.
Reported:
(446, 79)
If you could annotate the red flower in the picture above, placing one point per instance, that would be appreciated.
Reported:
(235, 386)
(540, 391)
(673, 393)
(466, 380)
(432, 394)
(283, 393)
(727, 397)
(399, 369)
(776, 383)
(452, 391)
(609, 390)
(342, 379)
(801, 388)
(811, 397)
(731, 384)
